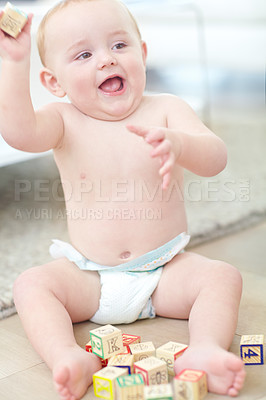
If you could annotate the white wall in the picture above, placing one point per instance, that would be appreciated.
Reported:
(235, 32)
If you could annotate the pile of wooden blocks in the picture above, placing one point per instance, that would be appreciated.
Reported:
(135, 370)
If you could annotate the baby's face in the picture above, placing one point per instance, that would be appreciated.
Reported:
(97, 57)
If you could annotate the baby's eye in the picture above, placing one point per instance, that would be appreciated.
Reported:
(119, 46)
(84, 56)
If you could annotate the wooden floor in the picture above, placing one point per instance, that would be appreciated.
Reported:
(23, 375)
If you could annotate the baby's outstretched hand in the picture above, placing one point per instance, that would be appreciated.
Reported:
(16, 49)
(162, 148)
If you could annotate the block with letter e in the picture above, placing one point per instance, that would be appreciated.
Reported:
(106, 341)
(190, 384)
(251, 349)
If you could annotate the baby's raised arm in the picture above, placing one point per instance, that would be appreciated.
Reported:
(199, 149)
(20, 125)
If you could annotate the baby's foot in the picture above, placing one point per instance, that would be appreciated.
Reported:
(225, 371)
(73, 373)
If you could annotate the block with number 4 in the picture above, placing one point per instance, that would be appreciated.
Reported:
(104, 382)
(153, 370)
(251, 349)
(106, 341)
(169, 352)
(190, 385)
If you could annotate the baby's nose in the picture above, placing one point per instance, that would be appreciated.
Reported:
(106, 60)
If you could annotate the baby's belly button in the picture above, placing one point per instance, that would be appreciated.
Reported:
(125, 255)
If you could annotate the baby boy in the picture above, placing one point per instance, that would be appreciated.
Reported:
(123, 153)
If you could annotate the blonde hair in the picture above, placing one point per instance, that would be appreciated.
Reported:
(59, 6)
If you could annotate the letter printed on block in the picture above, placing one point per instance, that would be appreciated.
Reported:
(106, 341)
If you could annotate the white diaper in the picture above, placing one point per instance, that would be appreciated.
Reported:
(126, 289)
(126, 296)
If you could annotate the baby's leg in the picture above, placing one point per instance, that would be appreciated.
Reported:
(48, 299)
(208, 293)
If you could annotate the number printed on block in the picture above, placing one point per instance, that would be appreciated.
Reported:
(251, 349)
(130, 387)
(104, 382)
(153, 370)
(190, 385)
(106, 341)
(159, 392)
(142, 350)
(169, 352)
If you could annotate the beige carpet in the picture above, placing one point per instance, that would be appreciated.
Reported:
(215, 206)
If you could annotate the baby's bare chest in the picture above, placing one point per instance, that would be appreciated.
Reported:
(109, 149)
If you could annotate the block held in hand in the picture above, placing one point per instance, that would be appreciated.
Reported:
(13, 20)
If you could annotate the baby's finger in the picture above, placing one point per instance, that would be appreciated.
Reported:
(27, 27)
(166, 181)
(155, 135)
(162, 149)
(167, 166)
(138, 130)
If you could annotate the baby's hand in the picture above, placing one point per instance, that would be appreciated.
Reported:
(162, 148)
(16, 49)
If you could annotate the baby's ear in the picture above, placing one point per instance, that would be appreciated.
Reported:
(144, 51)
(49, 81)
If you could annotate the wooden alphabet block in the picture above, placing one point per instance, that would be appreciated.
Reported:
(104, 382)
(190, 385)
(169, 352)
(122, 361)
(153, 370)
(88, 348)
(130, 339)
(142, 350)
(126, 350)
(13, 20)
(159, 392)
(106, 341)
(251, 349)
(130, 387)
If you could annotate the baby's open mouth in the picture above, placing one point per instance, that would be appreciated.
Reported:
(112, 85)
